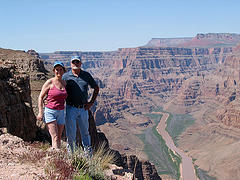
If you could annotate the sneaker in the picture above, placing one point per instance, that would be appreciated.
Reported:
(88, 151)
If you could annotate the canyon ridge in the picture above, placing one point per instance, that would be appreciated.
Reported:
(24, 140)
(195, 77)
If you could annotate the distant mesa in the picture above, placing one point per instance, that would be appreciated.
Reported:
(199, 41)
(167, 42)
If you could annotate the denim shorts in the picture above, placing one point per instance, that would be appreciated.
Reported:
(51, 115)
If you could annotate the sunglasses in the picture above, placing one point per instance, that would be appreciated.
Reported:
(75, 62)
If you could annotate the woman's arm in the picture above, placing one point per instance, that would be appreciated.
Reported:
(44, 91)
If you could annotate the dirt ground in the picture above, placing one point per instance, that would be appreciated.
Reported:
(12, 163)
(24, 161)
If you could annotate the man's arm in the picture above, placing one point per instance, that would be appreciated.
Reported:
(95, 94)
(94, 97)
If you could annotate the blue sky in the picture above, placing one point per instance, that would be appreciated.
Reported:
(101, 25)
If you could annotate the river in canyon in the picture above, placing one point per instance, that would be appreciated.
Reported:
(186, 168)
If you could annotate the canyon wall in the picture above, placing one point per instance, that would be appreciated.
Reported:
(16, 114)
(197, 76)
(17, 69)
(129, 74)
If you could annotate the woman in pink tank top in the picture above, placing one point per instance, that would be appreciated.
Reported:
(53, 114)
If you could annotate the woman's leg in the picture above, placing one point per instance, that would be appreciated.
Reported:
(60, 130)
(60, 125)
(53, 130)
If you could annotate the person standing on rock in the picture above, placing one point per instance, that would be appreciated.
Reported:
(56, 93)
(77, 104)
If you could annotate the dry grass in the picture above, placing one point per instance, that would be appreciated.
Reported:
(94, 166)
(60, 165)
(103, 157)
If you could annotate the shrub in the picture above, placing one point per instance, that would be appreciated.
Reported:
(82, 177)
(79, 166)
(94, 166)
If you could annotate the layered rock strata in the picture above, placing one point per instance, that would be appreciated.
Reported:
(16, 70)
(143, 169)
(200, 41)
(16, 112)
(200, 77)
(24, 62)
(129, 74)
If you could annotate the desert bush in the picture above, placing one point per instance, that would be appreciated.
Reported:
(82, 177)
(79, 166)
(58, 166)
(94, 166)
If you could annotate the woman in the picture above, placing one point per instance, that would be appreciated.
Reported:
(56, 93)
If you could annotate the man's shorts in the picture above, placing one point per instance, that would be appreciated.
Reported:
(51, 115)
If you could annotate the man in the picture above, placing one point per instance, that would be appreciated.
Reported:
(77, 107)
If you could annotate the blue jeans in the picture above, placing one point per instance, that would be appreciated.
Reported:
(74, 117)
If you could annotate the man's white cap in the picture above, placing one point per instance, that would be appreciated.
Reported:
(78, 58)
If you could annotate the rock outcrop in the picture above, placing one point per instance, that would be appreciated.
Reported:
(142, 169)
(24, 62)
(16, 113)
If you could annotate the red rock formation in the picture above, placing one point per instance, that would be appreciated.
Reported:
(213, 40)
(33, 53)
(129, 74)
(143, 169)
(194, 79)
(167, 42)
(230, 116)
(200, 41)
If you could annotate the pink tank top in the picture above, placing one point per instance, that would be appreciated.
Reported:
(56, 98)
